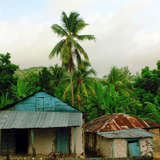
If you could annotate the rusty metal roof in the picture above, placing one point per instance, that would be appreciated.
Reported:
(117, 122)
(126, 133)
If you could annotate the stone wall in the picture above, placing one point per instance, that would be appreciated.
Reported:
(146, 147)
(156, 142)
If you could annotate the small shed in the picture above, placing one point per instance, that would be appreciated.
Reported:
(41, 124)
(120, 121)
(120, 143)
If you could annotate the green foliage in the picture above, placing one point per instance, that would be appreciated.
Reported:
(69, 47)
(106, 100)
(70, 51)
(75, 82)
(44, 79)
(27, 84)
(22, 89)
(151, 111)
(117, 92)
(58, 74)
(82, 82)
(122, 79)
(5, 100)
(7, 70)
(147, 91)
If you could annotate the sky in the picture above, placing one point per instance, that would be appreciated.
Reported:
(127, 31)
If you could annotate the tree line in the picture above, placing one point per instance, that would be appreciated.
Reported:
(75, 81)
(119, 91)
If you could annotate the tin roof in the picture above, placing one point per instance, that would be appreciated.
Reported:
(42, 101)
(126, 133)
(117, 122)
(32, 119)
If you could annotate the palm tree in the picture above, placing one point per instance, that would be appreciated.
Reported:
(82, 82)
(69, 50)
(57, 74)
(121, 78)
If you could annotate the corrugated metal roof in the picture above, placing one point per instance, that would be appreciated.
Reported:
(117, 122)
(41, 101)
(127, 133)
(32, 119)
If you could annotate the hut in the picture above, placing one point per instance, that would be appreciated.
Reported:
(120, 143)
(121, 130)
(41, 124)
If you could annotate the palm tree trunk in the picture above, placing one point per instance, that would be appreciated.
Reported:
(72, 88)
(79, 104)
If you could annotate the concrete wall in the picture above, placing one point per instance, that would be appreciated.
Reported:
(44, 141)
(120, 148)
(98, 145)
(108, 148)
(77, 140)
(104, 147)
(115, 148)
(156, 142)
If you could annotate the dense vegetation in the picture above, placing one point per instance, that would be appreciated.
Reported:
(118, 92)
(75, 81)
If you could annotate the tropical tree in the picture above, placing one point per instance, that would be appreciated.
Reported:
(69, 49)
(5, 100)
(21, 89)
(7, 70)
(32, 81)
(45, 77)
(106, 100)
(82, 82)
(57, 74)
(122, 79)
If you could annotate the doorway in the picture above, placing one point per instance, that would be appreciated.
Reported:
(133, 148)
(21, 138)
(63, 140)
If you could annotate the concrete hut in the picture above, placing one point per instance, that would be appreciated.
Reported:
(41, 124)
(120, 136)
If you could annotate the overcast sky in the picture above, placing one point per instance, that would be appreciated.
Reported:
(127, 31)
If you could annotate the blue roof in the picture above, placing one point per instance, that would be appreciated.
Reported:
(41, 101)
(126, 133)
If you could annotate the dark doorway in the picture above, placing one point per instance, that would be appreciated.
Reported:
(7, 142)
(21, 136)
